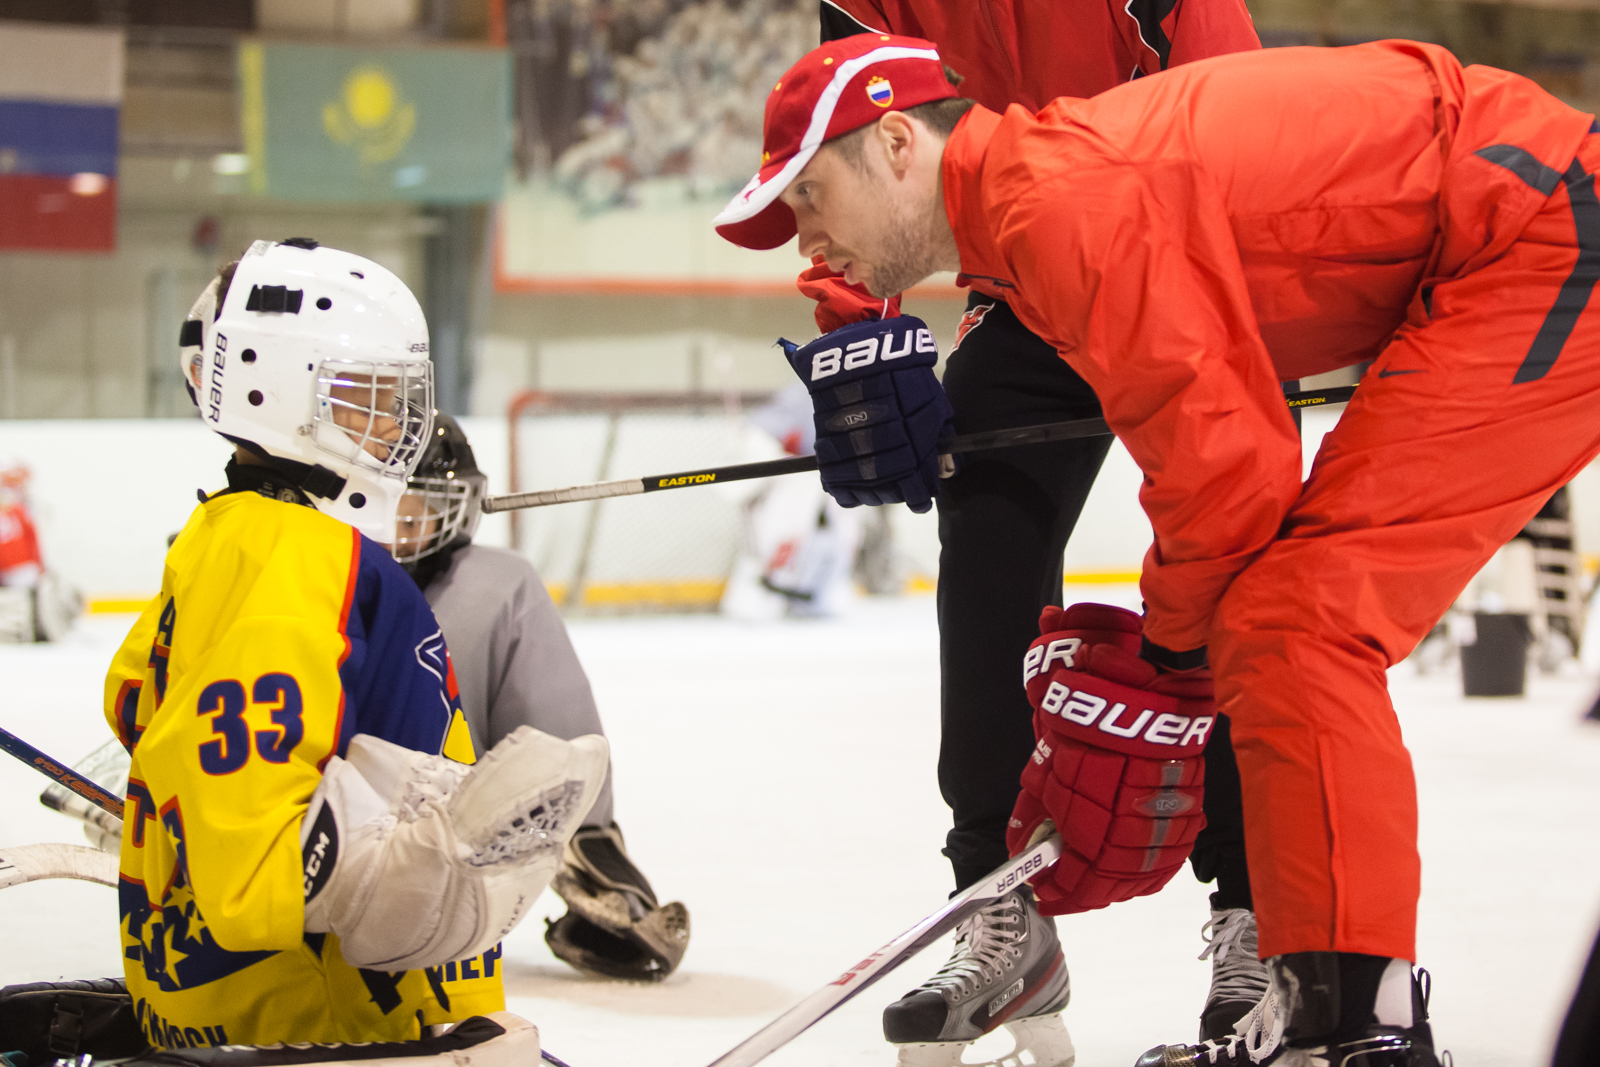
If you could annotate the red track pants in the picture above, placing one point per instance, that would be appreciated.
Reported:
(1482, 406)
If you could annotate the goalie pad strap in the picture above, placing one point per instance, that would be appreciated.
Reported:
(469, 1034)
(50, 1020)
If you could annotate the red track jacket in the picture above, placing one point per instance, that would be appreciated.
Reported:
(1029, 52)
(1189, 240)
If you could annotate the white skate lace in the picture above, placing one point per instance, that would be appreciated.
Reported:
(1231, 942)
(1256, 1036)
(1262, 1029)
(525, 835)
(983, 945)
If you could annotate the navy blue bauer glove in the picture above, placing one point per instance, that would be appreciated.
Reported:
(879, 410)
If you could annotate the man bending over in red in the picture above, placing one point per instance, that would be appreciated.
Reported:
(1187, 242)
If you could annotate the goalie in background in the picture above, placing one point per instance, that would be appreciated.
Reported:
(516, 667)
(35, 605)
(797, 545)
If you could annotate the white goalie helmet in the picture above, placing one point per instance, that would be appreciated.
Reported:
(316, 361)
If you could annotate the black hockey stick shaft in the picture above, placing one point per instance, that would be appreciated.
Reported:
(60, 773)
(800, 1018)
(739, 472)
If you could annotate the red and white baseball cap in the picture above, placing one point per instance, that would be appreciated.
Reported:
(839, 87)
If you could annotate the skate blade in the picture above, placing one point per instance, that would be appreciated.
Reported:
(1037, 1041)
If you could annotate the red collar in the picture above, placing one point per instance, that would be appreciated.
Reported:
(963, 162)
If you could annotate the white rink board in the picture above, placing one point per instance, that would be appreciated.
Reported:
(108, 492)
(779, 779)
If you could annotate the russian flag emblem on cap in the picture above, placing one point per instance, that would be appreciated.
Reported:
(822, 96)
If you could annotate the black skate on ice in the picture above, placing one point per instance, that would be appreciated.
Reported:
(1007, 970)
(1258, 1041)
(1238, 979)
(614, 928)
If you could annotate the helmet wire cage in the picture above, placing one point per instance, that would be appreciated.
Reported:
(375, 414)
(434, 511)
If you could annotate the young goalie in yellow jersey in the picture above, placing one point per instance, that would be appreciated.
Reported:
(307, 855)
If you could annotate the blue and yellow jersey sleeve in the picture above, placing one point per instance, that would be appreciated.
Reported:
(125, 680)
(278, 635)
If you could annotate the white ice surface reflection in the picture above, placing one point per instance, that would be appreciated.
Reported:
(780, 780)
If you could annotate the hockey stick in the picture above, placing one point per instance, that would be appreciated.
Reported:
(800, 1018)
(739, 472)
(54, 771)
(30, 863)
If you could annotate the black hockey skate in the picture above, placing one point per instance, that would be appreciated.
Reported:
(614, 928)
(1256, 1040)
(1238, 979)
(1259, 1041)
(1007, 970)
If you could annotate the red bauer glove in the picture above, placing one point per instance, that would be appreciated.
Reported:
(838, 302)
(1118, 767)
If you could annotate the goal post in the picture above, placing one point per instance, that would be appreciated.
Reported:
(660, 552)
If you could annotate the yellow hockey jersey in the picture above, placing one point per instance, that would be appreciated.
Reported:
(278, 635)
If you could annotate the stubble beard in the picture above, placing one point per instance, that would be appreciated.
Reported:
(908, 250)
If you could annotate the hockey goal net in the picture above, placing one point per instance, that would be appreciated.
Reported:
(659, 552)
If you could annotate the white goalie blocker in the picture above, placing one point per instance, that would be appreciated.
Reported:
(415, 860)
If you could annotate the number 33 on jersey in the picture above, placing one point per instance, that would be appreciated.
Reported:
(279, 634)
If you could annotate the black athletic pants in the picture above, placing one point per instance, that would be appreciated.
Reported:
(1579, 1042)
(1004, 520)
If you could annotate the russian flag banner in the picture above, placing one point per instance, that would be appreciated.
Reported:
(60, 93)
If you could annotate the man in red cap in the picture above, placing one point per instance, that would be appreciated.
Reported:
(1004, 522)
(1186, 242)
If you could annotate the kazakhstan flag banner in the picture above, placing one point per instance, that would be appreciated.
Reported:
(341, 123)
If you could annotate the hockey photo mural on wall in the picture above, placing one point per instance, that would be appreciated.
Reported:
(634, 123)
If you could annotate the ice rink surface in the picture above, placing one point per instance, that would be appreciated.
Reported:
(779, 780)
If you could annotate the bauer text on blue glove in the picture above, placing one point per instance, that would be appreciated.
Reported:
(880, 411)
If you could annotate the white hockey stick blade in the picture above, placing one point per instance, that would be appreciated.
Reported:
(31, 863)
(800, 1018)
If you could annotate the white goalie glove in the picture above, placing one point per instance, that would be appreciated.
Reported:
(415, 860)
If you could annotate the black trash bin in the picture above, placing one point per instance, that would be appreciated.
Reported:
(1496, 664)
